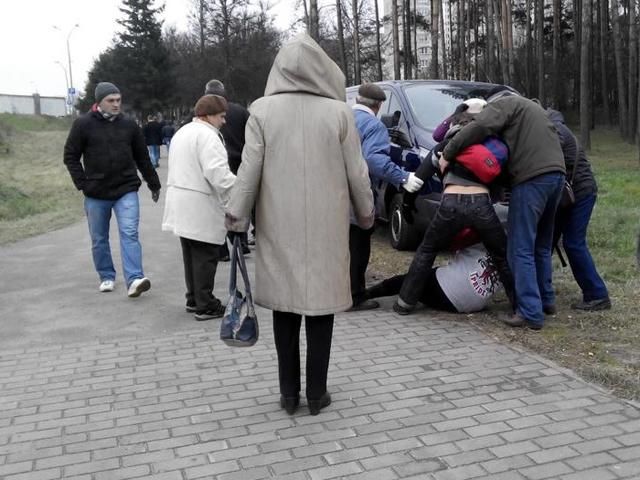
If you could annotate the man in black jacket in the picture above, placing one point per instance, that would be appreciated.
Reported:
(153, 137)
(112, 147)
(233, 133)
(233, 130)
(572, 221)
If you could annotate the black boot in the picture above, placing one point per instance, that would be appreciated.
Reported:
(316, 405)
(290, 404)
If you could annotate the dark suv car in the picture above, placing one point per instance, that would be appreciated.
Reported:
(412, 111)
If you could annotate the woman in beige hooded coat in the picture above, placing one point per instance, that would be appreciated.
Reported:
(303, 168)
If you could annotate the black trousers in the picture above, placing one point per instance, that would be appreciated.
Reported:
(360, 251)
(286, 330)
(200, 264)
(457, 211)
(432, 295)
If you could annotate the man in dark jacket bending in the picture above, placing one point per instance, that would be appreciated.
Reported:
(112, 148)
(536, 172)
(233, 134)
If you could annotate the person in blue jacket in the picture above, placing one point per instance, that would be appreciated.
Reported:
(376, 149)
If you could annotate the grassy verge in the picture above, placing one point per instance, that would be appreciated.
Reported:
(36, 193)
(603, 347)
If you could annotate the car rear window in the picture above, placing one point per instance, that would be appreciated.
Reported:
(432, 103)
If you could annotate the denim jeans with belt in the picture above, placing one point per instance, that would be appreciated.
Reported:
(457, 211)
(532, 210)
(127, 210)
(573, 228)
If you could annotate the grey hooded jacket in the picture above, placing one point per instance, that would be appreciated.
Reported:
(303, 168)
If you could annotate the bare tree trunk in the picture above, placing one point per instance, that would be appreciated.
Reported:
(467, 48)
(577, 14)
(557, 48)
(378, 46)
(414, 58)
(314, 23)
(460, 34)
(306, 15)
(341, 46)
(452, 57)
(490, 42)
(435, 22)
(508, 14)
(202, 24)
(502, 57)
(528, 67)
(443, 43)
(604, 87)
(622, 97)
(476, 35)
(356, 43)
(585, 73)
(408, 57)
(633, 70)
(540, 48)
(638, 138)
(396, 40)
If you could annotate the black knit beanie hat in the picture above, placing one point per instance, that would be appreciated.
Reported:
(103, 89)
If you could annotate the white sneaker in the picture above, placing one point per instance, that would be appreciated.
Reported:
(107, 286)
(138, 286)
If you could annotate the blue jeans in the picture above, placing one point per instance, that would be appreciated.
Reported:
(127, 212)
(154, 154)
(532, 210)
(573, 227)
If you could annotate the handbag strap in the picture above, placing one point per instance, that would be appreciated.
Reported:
(237, 247)
(575, 160)
(233, 271)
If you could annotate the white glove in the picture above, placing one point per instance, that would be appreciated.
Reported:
(413, 183)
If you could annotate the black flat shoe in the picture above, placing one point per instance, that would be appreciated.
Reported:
(290, 404)
(316, 405)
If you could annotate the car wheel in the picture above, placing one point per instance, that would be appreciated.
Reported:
(403, 235)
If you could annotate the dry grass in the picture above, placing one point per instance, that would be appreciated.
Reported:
(603, 347)
(36, 192)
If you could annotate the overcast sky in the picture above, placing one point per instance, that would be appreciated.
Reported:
(30, 45)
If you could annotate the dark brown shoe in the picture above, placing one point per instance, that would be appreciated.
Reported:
(290, 404)
(364, 305)
(316, 405)
(516, 320)
(593, 305)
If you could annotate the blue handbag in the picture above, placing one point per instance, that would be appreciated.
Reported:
(239, 327)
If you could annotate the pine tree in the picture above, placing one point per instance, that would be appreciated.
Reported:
(146, 84)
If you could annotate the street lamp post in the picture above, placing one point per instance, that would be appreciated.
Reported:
(66, 85)
(70, 88)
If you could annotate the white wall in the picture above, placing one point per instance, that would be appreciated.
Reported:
(17, 104)
(26, 105)
(54, 106)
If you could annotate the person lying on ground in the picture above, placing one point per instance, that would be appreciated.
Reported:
(465, 203)
(466, 284)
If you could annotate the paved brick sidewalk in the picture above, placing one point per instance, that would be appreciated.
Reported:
(413, 398)
(101, 387)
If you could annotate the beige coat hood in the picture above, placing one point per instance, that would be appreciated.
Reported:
(302, 66)
(303, 169)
